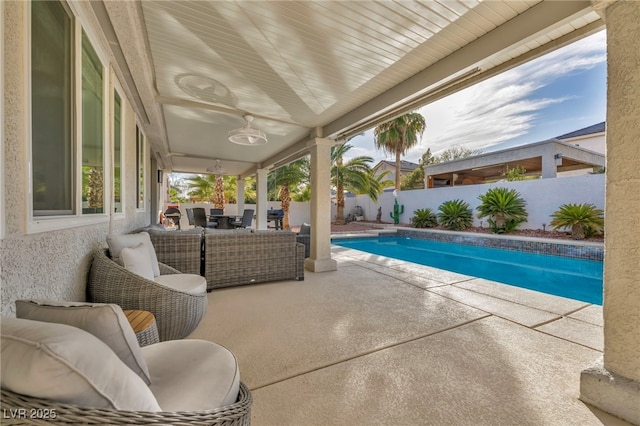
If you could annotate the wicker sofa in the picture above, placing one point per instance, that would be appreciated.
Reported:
(232, 257)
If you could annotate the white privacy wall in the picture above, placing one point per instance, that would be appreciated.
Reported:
(543, 197)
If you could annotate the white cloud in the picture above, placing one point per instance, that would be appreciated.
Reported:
(501, 108)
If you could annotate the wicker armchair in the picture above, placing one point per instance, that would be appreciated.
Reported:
(36, 410)
(177, 313)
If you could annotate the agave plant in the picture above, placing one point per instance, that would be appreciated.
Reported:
(584, 220)
(455, 215)
(505, 209)
(424, 218)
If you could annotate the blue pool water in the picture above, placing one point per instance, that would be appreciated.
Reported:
(567, 277)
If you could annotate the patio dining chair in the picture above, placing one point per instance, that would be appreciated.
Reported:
(245, 222)
(190, 217)
(200, 218)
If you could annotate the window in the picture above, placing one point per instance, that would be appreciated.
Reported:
(51, 111)
(92, 130)
(117, 154)
(140, 162)
(2, 123)
(68, 115)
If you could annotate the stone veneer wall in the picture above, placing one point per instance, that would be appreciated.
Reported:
(48, 265)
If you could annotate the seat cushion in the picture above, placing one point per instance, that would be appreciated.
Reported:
(186, 283)
(117, 242)
(67, 364)
(137, 260)
(105, 321)
(192, 375)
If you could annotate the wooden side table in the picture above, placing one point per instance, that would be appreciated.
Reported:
(144, 325)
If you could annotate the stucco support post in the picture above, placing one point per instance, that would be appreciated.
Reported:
(320, 258)
(261, 198)
(240, 195)
(549, 166)
(613, 383)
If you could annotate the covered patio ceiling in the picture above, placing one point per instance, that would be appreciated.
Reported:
(307, 69)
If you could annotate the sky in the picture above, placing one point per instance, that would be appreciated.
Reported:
(554, 94)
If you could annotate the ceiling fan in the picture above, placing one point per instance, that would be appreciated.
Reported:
(248, 135)
(217, 169)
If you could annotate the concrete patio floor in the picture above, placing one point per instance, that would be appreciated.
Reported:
(382, 341)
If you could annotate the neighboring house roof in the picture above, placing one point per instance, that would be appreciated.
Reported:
(404, 165)
(492, 165)
(596, 128)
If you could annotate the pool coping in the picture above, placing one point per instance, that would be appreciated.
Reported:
(587, 250)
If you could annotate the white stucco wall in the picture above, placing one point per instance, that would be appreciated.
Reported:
(543, 197)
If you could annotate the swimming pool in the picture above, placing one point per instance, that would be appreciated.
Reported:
(562, 276)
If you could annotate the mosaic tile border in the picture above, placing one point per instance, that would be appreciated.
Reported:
(576, 251)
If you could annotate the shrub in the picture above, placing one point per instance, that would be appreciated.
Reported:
(584, 220)
(505, 209)
(455, 215)
(424, 218)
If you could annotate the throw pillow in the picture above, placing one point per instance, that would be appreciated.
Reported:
(105, 321)
(117, 242)
(136, 259)
(66, 364)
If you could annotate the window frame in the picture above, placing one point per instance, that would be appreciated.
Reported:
(116, 87)
(44, 223)
(141, 163)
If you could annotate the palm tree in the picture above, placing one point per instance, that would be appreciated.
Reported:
(583, 219)
(285, 179)
(399, 135)
(356, 175)
(218, 192)
(302, 194)
(201, 187)
(505, 209)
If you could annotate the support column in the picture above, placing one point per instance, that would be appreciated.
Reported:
(261, 198)
(613, 383)
(320, 259)
(240, 195)
(549, 165)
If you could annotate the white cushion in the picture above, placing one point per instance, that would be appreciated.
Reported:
(192, 375)
(136, 259)
(69, 365)
(105, 321)
(117, 242)
(186, 283)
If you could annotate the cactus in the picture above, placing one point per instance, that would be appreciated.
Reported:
(398, 209)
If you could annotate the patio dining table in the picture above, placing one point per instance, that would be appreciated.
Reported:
(224, 221)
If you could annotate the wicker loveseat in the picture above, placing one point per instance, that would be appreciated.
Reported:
(181, 250)
(235, 258)
(232, 257)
